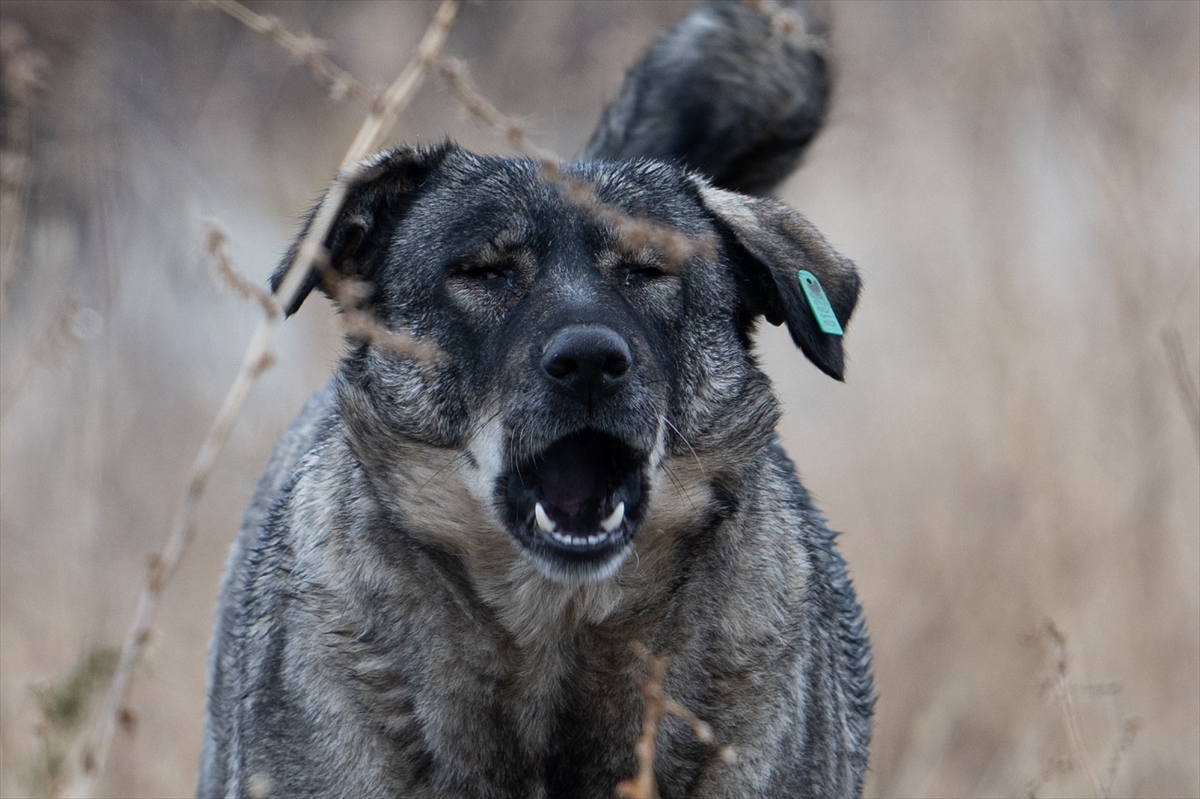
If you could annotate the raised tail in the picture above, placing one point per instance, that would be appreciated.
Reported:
(735, 91)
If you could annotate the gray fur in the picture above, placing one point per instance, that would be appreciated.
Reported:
(394, 621)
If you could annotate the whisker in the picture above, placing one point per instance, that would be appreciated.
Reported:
(687, 444)
(679, 487)
(458, 459)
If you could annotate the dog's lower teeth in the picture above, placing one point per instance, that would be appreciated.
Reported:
(614, 519)
(578, 540)
(608, 526)
(543, 520)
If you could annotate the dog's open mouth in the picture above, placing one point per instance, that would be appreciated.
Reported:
(575, 506)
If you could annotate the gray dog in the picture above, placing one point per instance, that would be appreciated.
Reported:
(439, 585)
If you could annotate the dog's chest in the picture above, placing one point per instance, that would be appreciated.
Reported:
(560, 719)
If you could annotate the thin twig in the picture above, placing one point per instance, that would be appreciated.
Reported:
(246, 289)
(1185, 384)
(1129, 731)
(788, 23)
(359, 324)
(308, 49)
(257, 358)
(1063, 690)
(458, 78)
(642, 785)
(634, 235)
(658, 704)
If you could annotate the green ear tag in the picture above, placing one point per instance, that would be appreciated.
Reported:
(822, 310)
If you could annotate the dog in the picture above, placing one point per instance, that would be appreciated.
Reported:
(441, 580)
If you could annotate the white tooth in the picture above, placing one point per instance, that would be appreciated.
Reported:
(544, 521)
(614, 519)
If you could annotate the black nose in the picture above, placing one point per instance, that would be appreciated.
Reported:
(587, 360)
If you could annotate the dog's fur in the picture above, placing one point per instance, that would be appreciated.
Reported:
(395, 620)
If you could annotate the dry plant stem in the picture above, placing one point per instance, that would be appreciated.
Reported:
(786, 21)
(1124, 744)
(361, 325)
(1063, 690)
(397, 96)
(247, 289)
(458, 78)
(633, 234)
(658, 704)
(1185, 384)
(642, 784)
(257, 358)
(307, 48)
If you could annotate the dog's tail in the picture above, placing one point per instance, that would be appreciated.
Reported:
(735, 91)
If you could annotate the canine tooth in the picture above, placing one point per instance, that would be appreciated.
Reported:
(614, 519)
(544, 521)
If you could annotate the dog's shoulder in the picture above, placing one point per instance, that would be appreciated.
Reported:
(312, 423)
(260, 548)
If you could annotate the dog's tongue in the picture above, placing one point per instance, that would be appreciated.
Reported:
(572, 477)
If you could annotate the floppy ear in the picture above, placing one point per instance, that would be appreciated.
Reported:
(374, 204)
(771, 244)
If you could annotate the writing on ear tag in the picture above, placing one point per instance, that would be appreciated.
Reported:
(822, 310)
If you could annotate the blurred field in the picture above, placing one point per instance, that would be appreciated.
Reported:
(1012, 458)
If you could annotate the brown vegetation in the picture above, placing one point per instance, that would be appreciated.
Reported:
(1014, 457)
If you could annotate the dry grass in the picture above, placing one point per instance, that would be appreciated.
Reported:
(1015, 443)
(258, 358)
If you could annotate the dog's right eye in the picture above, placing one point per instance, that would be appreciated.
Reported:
(487, 287)
(493, 273)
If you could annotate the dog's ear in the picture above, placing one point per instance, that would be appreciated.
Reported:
(380, 195)
(777, 251)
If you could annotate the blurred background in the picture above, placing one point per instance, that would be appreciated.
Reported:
(1014, 458)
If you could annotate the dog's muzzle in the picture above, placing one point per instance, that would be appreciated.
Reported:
(574, 506)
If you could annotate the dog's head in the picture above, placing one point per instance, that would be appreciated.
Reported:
(585, 337)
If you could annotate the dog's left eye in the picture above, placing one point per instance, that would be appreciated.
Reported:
(640, 272)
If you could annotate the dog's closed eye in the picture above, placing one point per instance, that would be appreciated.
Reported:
(640, 272)
(496, 273)
(499, 265)
(632, 267)
(490, 283)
